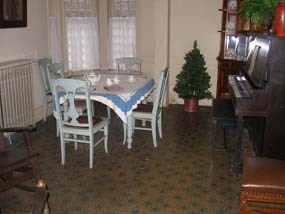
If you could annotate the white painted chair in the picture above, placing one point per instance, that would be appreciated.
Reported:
(45, 86)
(74, 127)
(56, 71)
(129, 64)
(152, 113)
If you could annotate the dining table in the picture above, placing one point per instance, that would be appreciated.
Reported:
(122, 92)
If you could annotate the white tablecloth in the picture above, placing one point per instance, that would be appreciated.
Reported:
(124, 96)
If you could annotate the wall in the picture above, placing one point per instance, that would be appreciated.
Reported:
(145, 34)
(194, 20)
(189, 20)
(29, 42)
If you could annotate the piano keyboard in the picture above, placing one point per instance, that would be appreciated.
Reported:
(241, 87)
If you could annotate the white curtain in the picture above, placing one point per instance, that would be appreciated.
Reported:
(54, 43)
(122, 38)
(82, 43)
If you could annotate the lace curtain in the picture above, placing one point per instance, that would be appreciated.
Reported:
(122, 30)
(82, 34)
(54, 42)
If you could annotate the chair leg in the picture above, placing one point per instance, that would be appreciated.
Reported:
(159, 127)
(75, 143)
(106, 139)
(214, 138)
(225, 138)
(62, 145)
(36, 168)
(57, 128)
(45, 108)
(153, 130)
(91, 153)
(125, 132)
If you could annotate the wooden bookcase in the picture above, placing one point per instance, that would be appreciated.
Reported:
(233, 45)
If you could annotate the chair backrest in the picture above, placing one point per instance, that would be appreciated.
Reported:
(132, 64)
(67, 89)
(43, 64)
(55, 71)
(160, 91)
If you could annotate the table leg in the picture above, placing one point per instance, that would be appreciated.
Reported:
(237, 165)
(130, 132)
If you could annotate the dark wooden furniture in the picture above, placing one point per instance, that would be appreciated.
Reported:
(227, 59)
(223, 116)
(40, 199)
(226, 67)
(234, 41)
(18, 165)
(264, 111)
(18, 160)
(263, 186)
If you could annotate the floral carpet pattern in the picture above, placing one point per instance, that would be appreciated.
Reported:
(176, 177)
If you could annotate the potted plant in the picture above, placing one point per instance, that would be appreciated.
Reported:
(258, 12)
(193, 81)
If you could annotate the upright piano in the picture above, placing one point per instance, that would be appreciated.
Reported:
(258, 96)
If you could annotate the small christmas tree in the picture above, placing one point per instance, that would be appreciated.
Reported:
(193, 81)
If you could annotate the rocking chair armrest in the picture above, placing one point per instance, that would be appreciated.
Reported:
(19, 129)
(25, 132)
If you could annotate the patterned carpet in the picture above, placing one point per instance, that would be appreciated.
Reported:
(177, 177)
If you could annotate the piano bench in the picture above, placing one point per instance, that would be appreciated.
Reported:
(223, 116)
(263, 186)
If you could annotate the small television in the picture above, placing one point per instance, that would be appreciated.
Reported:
(256, 68)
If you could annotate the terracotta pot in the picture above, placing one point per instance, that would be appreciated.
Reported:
(191, 105)
(279, 20)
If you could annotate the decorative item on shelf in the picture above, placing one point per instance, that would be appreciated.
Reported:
(279, 19)
(232, 5)
(231, 27)
(231, 24)
(231, 54)
(258, 13)
(193, 82)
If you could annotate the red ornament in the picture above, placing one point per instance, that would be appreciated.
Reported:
(279, 20)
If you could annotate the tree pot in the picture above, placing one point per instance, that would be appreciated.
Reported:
(191, 105)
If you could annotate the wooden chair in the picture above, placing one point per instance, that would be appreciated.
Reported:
(131, 64)
(152, 113)
(18, 165)
(40, 199)
(46, 89)
(74, 127)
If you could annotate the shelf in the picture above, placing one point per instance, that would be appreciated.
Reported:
(233, 45)
(227, 32)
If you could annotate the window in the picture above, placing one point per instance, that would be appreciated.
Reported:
(82, 34)
(122, 30)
